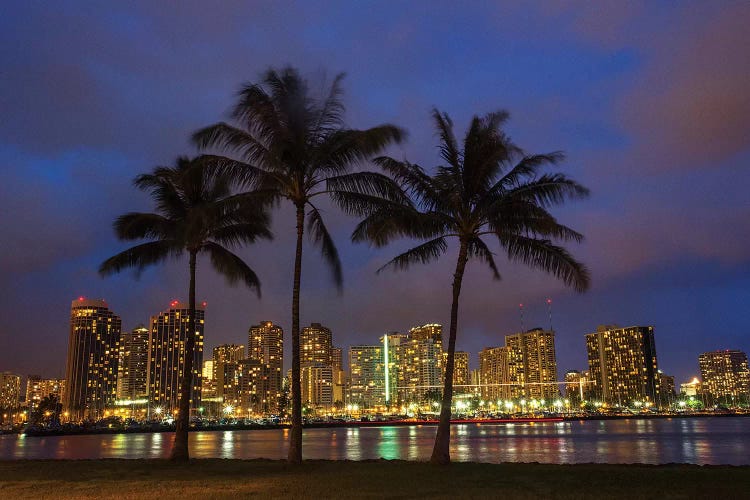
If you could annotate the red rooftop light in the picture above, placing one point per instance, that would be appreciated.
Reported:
(80, 298)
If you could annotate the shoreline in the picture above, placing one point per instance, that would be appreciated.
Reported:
(391, 423)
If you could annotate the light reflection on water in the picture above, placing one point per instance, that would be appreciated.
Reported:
(700, 441)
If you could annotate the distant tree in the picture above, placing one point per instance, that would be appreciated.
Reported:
(196, 214)
(47, 412)
(292, 146)
(488, 187)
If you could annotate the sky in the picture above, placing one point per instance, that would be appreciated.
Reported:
(649, 101)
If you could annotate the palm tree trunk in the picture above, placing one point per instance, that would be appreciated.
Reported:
(295, 442)
(180, 446)
(441, 452)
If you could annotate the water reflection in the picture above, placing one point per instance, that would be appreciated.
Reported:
(701, 441)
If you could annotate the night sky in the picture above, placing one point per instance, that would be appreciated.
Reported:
(650, 102)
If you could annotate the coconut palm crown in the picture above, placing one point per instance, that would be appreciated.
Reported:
(196, 214)
(289, 145)
(488, 188)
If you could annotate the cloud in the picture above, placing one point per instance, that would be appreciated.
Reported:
(691, 108)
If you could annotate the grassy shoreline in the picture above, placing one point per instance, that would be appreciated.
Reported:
(217, 478)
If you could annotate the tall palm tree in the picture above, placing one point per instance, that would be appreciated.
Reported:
(196, 213)
(488, 188)
(289, 145)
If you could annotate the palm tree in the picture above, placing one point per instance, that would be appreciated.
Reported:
(289, 145)
(480, 191)
(196, 213)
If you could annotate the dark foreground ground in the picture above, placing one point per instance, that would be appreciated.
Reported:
(206, 479)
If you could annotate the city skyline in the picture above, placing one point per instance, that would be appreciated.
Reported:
(426, 330)
(666, 225)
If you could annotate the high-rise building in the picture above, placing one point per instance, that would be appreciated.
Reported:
(132, 368)
(315, 344)
(494, 373)
(253, 387)
(692, 388)
(93, 352)
(337, 358)
(414, 366)
(666, 390)
(537, 366)
(38, 388)
(432, 331)
(10, 391)
(725, 375)
(622, 364)
(574, 386)
(225, 359)
(266, 344)
(461, 372)
(169, 331)
(366, 376)
(317, 385)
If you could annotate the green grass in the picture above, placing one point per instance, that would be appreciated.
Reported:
(154, 479)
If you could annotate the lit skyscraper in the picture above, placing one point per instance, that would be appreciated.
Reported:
(725, 374)
(366, 376)
(10, 391)
(494, 373)
(266, 344)
(253, 390)
(337, 358)
(316, 342)
(622, 364)
(132, 369)
(225, 359)
(461, 371)
(431, 331)
(93, 352)
(169, 331)
(537, 366)
(317, 385)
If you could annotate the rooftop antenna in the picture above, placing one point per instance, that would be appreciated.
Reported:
(549, 311)
(520, 310)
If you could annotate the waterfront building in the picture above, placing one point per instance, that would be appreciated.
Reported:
(692, 388)
(317, 385)
(10, 391)
(266, 344)
(38, 388)
(339, 387)
(667, 390)
(132, 366)
(169, 330)
(461, 372)
(574, 386)
(623, 365)
(494, 374)
(366, 376)
(315, 344)
(253, 392)
(430, 331)
(92, 362)
(725, 375)
(533, 364)
(225, 359)
(414, 365)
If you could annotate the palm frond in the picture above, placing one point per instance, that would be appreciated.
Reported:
(422, 254)
(543, 255)
(478, 249)
(226, 138)
(229, 265)
(549, 190)
(141, 256)
(136, 226)
(320, 236)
